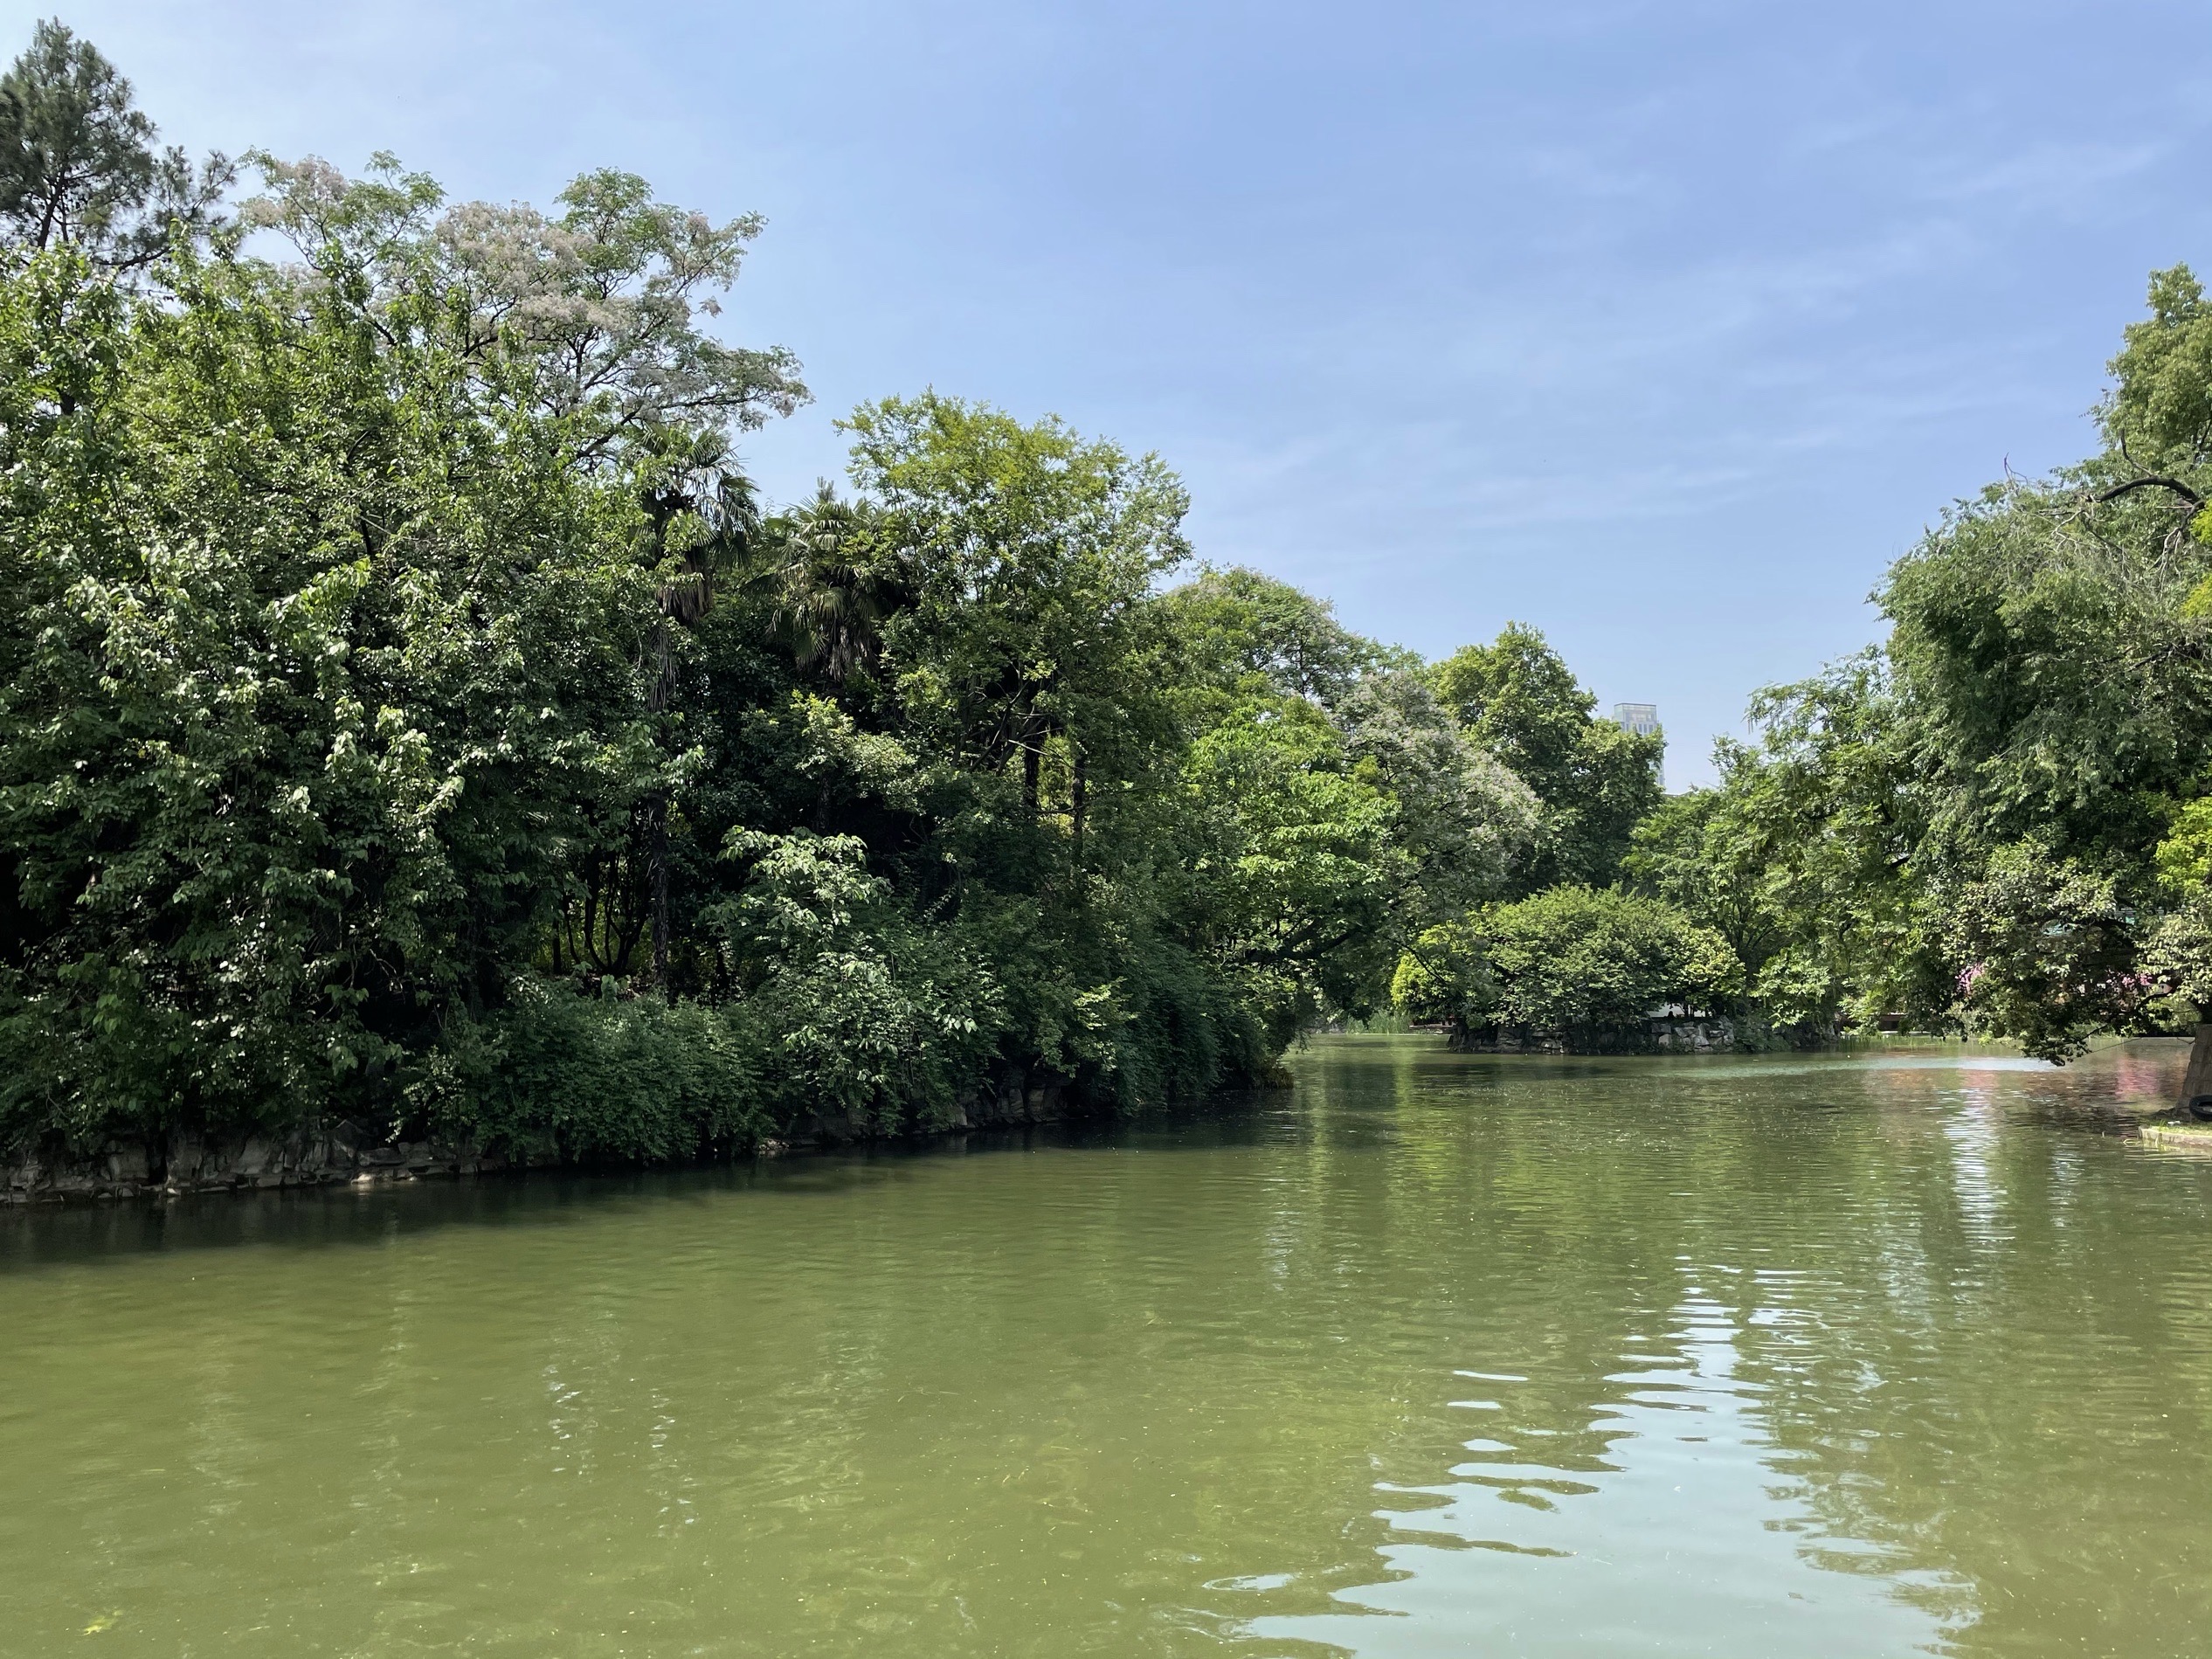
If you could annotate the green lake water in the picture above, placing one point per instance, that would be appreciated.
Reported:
(1435, 1355)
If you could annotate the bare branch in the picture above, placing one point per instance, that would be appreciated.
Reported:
(2153, 480)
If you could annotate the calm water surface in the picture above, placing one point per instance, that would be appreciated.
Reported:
(1438, 1355)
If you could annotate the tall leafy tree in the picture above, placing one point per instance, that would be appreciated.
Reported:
(2052, 662)
(348, 608)
(1519, 702)
(1801, 857)
(1242, 632)
(835, 579)
(1034, 553)
(1992, 823)
(79, 166)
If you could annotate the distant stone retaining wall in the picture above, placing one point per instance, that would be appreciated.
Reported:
(343, 1154)
(1718, 1035)
(1693, 1036)
(248, 1162)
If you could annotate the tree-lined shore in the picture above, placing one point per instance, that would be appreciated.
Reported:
(412, 716)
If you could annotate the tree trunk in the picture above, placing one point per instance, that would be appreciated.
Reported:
(658, 845)
(658, 698)
(2196, 1081)
(1080, 798)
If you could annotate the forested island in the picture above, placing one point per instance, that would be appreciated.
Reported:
(416, 730)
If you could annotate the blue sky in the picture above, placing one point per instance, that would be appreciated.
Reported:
(1664, 327)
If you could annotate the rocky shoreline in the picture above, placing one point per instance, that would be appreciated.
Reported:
(356, 1154)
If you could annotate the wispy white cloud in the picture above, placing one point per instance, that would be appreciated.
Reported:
(2045, 176)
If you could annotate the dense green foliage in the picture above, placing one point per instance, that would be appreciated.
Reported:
(1998, 822)
(1597, 781)
(1584, 968)
(409, 715)
(77, 165)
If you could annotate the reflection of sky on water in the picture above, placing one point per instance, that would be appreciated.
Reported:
(1763, 1473)
(1674, 1523)
(1757, 1069)
(1971, 1128)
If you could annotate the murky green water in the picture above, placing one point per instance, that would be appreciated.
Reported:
(1441, 1355)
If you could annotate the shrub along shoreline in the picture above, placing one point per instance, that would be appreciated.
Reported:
(353, 1153)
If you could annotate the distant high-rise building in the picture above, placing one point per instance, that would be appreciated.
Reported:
(1641, 718)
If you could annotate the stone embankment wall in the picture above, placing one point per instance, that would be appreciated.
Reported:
(182, 1163)
(1715, 1036)
(1693, 1036)
(340, 1154)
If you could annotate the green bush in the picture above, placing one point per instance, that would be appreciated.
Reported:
(1585, 967)
(557, 1073)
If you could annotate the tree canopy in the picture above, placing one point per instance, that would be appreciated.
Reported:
(1516, 698)
(1994, 823)
(410, 713)
(79, 166)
